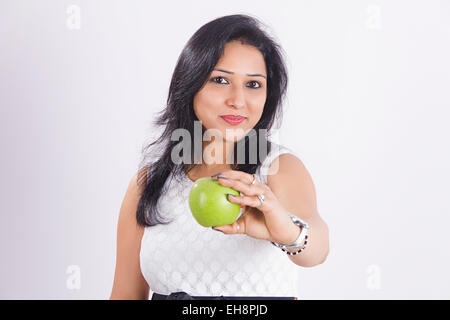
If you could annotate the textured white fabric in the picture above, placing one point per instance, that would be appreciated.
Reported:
(184, 256)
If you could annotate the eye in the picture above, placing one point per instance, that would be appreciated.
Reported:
(217, 79)
(253, 84)
(258, 85)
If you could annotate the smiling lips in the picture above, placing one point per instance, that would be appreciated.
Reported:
(233, 120)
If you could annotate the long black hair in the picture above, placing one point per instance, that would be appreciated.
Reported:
(194, 65)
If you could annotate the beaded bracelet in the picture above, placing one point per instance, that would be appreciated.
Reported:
(303, 236)
(295, 252)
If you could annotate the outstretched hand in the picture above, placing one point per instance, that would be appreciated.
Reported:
(266, 220)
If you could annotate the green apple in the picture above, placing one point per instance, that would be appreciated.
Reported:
(209, 203)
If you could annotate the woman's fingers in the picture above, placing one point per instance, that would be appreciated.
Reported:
(234, 228)
(244, 200)
(244, 177)
(247, 189)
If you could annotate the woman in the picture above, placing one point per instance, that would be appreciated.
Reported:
(230, 77)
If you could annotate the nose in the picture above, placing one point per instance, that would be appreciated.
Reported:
(236, 98)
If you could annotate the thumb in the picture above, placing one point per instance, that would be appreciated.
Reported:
(240, 223)
(237, 227)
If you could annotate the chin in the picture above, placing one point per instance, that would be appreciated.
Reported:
(234, 134)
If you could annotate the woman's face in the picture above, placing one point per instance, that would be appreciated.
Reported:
(237, 86)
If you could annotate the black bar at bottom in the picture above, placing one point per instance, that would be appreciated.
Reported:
(184, 296)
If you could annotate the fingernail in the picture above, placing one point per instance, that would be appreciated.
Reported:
(229, 194)
(217, 229)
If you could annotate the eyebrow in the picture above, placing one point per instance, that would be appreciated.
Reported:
(248, 74)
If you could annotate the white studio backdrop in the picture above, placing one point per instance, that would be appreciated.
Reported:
(367, 110)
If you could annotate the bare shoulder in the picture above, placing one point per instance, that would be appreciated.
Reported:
(288, 167)
(129, 282)
(140, 178)
(134, 191)
(291, 182)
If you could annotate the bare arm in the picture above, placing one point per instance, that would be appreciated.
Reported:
(295, 189)
(129, 283)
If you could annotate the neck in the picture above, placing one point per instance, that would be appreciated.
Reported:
(217, 153)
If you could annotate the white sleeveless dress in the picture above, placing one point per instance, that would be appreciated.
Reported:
(184, 256)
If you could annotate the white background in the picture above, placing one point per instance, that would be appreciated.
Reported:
(367, 110)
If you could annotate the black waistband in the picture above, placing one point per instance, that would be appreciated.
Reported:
(184, 296)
